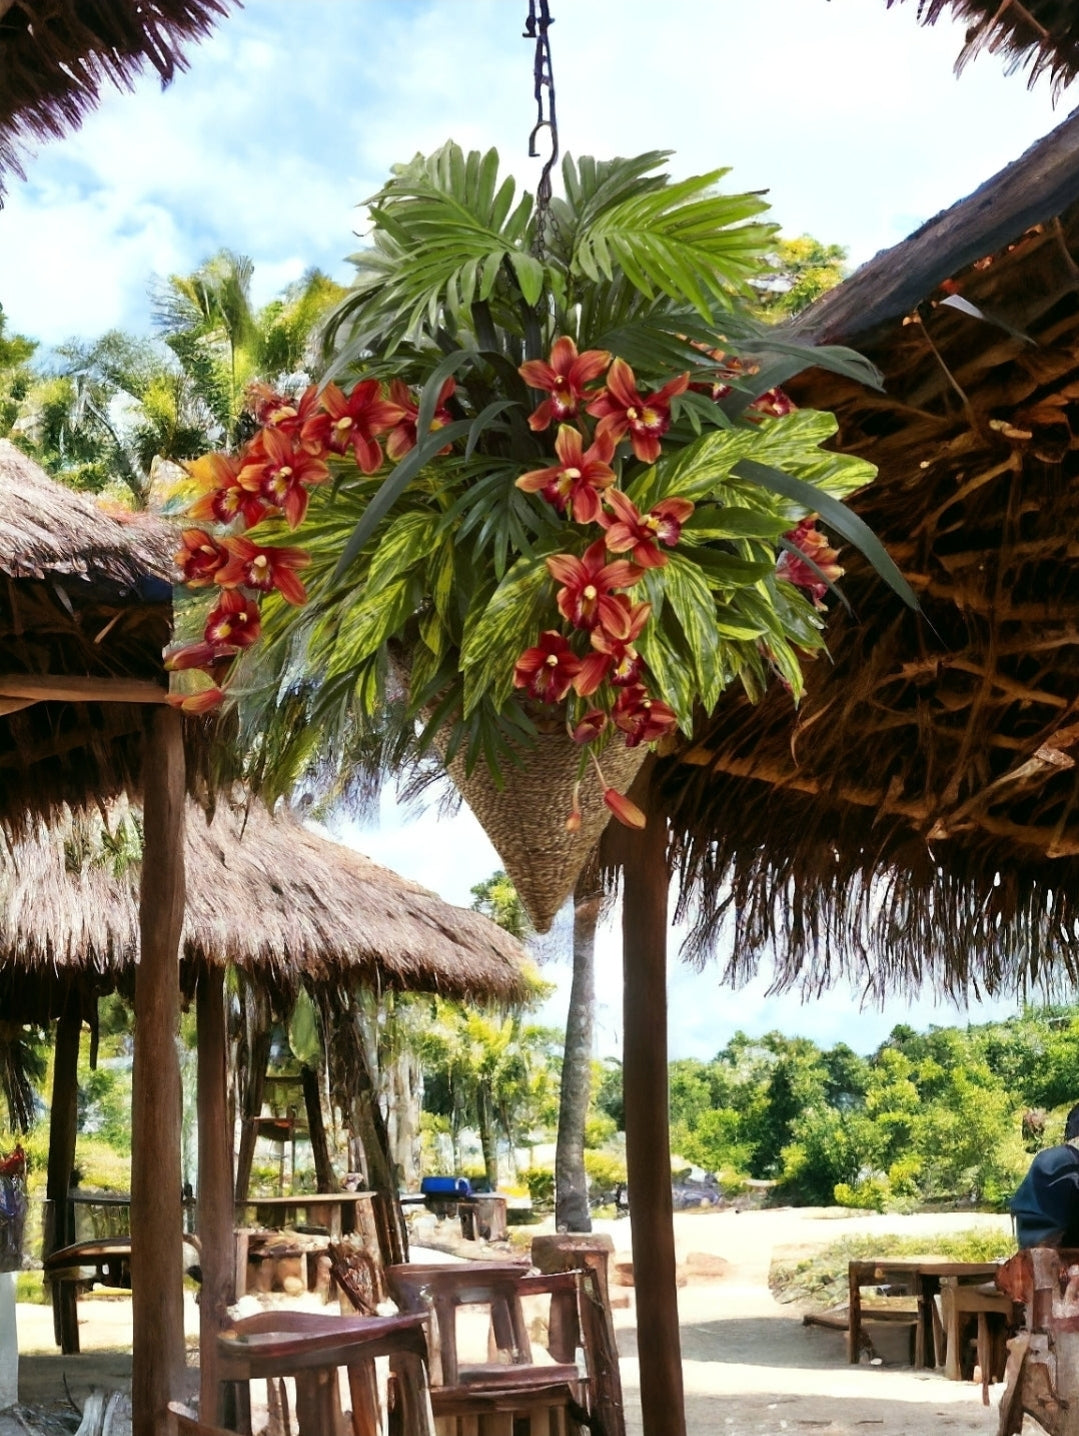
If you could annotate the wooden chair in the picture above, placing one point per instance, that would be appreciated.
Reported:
(490, 1398)
(311, 1348)
(995, 1315)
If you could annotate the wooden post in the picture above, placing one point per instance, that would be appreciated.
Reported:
(63, 1123)
(156, 1207)
(645, 878)
(325, 1179)
(251, 1108)
(215, 1201)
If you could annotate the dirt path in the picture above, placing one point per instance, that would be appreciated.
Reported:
(751, 1367)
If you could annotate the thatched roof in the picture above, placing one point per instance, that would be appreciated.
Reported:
(85, 612)
(919, 814)
(55, 56)
(1043, 34)
(286, 906)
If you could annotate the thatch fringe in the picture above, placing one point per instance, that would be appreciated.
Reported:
(267, 895)
(1043, 34)
(55, 56)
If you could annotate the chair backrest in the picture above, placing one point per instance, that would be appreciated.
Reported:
(441, 1289)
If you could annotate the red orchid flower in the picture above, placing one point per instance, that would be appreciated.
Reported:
(620, 408)
(630, 531)
(280, 473)
(772, 404)
(272, 410)
(627, 813)
(814, 545)
(354, 423)
(548, 670)
(234, 621)
(205, 701)
(589, 582)
(641, 718)
(222, 499)
(254, 566)
(200, 558)
(575, 483)
(207, 656)
(614, 656)
(402, 437)
(590, 726)
(563, 376)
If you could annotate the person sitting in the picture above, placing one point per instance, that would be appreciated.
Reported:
(1045, 1207)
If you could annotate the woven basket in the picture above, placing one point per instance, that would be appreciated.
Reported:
(526, 818)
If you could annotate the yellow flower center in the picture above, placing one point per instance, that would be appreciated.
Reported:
(651, 522)
(571, 473)
(632, 415)
(589, 592)
(552, 660)
(260, 564)
(343, 424)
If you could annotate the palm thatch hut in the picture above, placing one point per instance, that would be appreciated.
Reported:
(85, 610)
(55, 56)
(917, 817)
(1040, 34)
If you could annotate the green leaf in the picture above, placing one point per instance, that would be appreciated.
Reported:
(838, 518)
(530, 275)
(406, 543)
(508, 624)
(694, 605)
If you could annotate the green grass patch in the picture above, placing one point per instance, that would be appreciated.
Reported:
(820, 1277)
(30, 1287)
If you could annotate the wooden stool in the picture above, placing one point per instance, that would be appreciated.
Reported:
(310, 1348)
(486, 1398)
(959, 1304)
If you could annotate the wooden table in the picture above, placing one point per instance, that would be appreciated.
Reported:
(338, 1212)
(922, 1274)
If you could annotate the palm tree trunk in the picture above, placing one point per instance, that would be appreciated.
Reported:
(488, 1138)
(571, 1183)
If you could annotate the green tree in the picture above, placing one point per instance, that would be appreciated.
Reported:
(802, 270)
(497, 898)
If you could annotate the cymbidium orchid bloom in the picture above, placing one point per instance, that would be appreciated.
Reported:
(635, 533)
(809, 539)
(222, 499)
(621, 409)
(266, 568)
(589, 582)
(354, 423)
(234, 621)
(614, 658)
(563, 376)
(547, 671)
(627, 813)
(205, 701)
(280, 473)
(590, 726)
(575, 483)
(200, 558)
(642, 718)
(272, 410)
(772, 404)
(207, 656)
(402, 437)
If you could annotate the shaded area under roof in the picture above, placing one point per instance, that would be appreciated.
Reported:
(918, 816)
(266, 894)
(56, 55)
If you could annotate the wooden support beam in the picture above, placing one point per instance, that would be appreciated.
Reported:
(325, 1177)
(216, 1213)
(645, 878)
(156, 1207)
(63, 1124)
(62, 688)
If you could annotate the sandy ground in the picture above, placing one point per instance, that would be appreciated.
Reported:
(750, 1365)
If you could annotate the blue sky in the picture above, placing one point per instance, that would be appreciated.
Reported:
(848, 114)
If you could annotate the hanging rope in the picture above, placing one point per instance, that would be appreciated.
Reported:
(537, 25)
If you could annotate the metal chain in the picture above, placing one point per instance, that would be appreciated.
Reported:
(537, 24)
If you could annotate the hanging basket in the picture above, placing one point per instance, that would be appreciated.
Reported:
(525, 819)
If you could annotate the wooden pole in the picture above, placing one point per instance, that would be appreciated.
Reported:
(325, 1178)
(63, 1124)
(645, 878)
(251, 1108)
(215, 1201)
(156, 1207)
